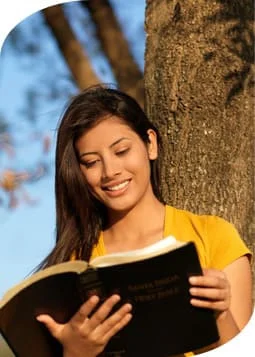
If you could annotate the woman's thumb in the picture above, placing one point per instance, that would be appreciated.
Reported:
(53, 327)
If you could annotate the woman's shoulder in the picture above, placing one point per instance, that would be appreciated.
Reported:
(177, 215)
(207, 221)
(217, 240)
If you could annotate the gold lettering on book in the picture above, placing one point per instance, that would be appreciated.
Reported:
(158, 295)
(144, 286)
(155, 284)
(145, 298)
(157, 289)
(169, 292)
(166, 281)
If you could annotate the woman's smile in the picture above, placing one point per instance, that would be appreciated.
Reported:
(117, 188)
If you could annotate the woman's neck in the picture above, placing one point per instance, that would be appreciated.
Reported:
(141, 226)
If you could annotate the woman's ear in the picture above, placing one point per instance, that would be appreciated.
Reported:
(152, 144)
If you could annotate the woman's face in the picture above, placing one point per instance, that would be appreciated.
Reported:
(115, 163)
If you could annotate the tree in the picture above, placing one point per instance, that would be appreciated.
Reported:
(73, 52)
(199, 77)
(126, 71)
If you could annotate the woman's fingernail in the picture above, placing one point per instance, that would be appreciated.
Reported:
(192, 279)
(94, 299)
(192, 291)
(116, 298)
(129, 307)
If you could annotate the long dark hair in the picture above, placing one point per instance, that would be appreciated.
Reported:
(79, 216)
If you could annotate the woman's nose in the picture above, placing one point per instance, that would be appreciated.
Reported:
(111, 168)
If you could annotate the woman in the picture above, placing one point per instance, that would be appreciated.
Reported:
(108, 200)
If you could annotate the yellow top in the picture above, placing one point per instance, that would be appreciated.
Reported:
(217, 241)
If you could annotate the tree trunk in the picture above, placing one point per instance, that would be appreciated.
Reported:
(116, 48)
(199, 74)
(71, 49)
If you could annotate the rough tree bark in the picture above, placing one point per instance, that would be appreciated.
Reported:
(116, 48)
(199, 77)
(72, 50)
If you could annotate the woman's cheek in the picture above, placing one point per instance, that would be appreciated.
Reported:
(92, 177)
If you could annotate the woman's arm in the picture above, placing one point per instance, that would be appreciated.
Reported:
(239, 276)
(229, 293)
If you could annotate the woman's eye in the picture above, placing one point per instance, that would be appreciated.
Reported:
(122, 152)
(88, 164)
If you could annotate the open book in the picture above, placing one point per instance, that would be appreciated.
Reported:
(154, 279)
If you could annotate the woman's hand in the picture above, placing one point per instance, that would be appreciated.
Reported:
(84, 336)
(211, 290)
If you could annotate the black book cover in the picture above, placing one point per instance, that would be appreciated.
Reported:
(164, 322)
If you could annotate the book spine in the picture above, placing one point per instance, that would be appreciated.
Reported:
(90, 284)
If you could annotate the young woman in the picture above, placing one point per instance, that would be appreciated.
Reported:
(108, 200)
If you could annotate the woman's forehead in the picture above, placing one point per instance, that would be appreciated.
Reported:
(108, 126)
(107, 132)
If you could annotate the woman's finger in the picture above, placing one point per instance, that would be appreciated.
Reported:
(104, 310)
(117, 327)
(210, 293)
(209, 281)
(84, 311)
(214, 305)
(54, 328)
(112, 322)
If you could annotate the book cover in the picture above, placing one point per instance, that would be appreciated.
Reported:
(164, 322)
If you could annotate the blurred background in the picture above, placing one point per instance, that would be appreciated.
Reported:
(45, 60)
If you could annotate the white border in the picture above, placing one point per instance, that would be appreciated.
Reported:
(13, 12)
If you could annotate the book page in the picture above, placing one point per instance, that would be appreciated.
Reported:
(165, 245)
(76, 266)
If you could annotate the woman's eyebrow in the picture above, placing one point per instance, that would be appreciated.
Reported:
(87, 153)
(118, 141)
(96, 153)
